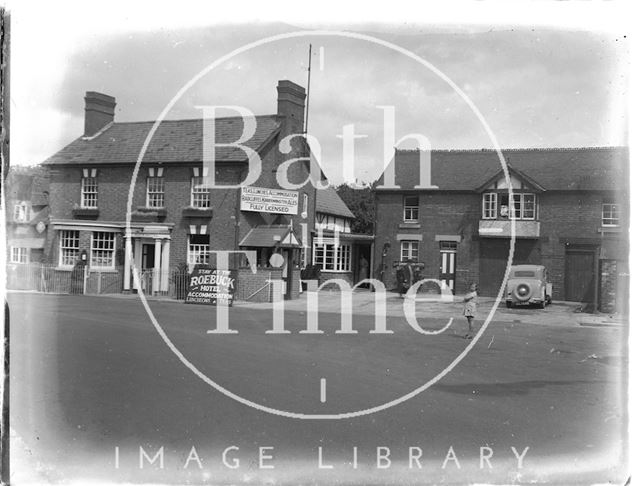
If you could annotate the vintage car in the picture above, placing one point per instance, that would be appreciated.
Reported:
(528, 284)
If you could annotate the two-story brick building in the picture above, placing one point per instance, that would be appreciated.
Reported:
(176, 220)
(571, 212)
(27, 215)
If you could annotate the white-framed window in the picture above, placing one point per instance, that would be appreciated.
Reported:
(155, 192)
(528, 206)
(523, 206)
(199, 193)
(69, 247)
(610, 213)
(489, 205)
(198, 251)
(89, 193)
(19, 254)
(332, 258)
(411, 206)
(21, 212)
(343, 258)
(103, 249)
(408, 250)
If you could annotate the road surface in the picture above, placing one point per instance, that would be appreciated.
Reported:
(97, 393)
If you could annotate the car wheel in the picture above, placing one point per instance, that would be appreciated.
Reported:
(544, 301)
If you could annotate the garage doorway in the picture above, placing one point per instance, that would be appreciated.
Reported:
(494, 254)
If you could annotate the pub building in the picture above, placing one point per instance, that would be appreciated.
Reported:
(175, 222)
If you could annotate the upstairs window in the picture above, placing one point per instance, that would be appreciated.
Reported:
(411, 205)
(69, 247)
(89, 193)
(155, 192)
(610, 213)
(490, 205)
(199, 193)
(103, 248)
(21, 213)
(523, 206)
(408, 251)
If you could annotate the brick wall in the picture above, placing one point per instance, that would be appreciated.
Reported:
(252, 286)
(564, 217)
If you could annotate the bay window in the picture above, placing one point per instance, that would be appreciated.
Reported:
(332, 258)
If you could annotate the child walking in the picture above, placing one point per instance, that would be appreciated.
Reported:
(469, 311)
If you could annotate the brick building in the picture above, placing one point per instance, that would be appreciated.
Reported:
(27, 214)
(571, 212)
(176, 221)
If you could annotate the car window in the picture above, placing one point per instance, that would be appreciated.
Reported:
(524, 273)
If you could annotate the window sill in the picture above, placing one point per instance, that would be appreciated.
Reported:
(103, 269)
(409, 225)
(197, 212)
(610, 229)
(85, 213)
(143, 213)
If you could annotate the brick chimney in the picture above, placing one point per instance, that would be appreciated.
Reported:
(99, 110)
(291, 105)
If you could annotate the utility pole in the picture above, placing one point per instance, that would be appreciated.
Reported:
(306, 118)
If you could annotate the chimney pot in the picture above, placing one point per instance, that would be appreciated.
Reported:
(99, 111)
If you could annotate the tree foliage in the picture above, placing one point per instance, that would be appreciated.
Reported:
(360, 200)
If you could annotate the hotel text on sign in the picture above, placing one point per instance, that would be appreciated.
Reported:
(266, 200)
(210, 286)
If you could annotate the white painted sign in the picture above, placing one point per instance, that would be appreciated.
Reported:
(265, 200)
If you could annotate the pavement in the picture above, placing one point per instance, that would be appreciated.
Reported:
(93, 382)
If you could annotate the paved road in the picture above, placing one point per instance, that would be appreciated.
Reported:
(90, 374)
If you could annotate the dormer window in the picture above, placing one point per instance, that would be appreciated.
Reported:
(496, 205)
(489, 205)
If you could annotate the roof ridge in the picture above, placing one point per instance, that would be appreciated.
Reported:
(524, 149)
(273, 115)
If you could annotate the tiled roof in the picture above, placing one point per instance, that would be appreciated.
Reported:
(590, 168)
(329, 202)
(266, 236)
(28, 184)
(174, 141)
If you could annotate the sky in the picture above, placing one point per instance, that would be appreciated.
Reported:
(536, 83)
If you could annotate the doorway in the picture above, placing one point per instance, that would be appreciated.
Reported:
(448, 251)
(580, 275)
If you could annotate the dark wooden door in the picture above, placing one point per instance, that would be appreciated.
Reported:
(579, 277)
